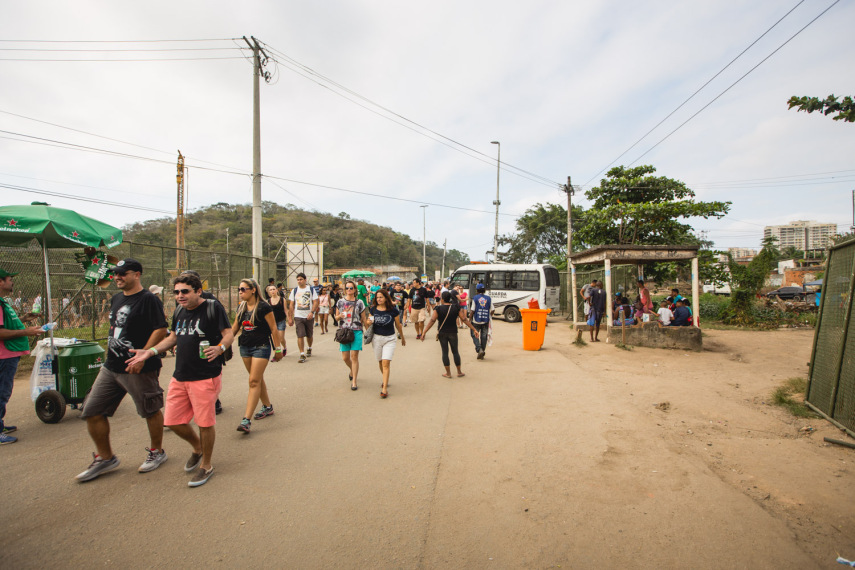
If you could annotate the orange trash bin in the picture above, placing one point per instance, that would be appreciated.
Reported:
(534, 327)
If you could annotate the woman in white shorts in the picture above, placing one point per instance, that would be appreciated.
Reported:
(386, 318)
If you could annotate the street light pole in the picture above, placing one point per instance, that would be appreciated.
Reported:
(424, 238)
(497, 202)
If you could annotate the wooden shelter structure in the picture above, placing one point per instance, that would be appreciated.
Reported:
(607, 255)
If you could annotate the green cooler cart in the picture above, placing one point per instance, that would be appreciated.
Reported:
(77, 366)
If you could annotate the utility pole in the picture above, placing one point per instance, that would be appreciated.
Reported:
(444, 248)
(424, 239)
(179, 217)
(257, 63)
(571, 270)
(497, 202)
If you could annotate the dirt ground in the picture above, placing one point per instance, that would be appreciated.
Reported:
(566, 457)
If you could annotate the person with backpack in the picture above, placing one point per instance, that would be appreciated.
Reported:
(201, 331)
(302, 308)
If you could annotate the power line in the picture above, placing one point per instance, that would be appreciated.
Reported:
(77, 197)
(776, 50)
(118, 41)
(120, 60)
(323, 81)
(397, 198)
(111, 50)
(680, 106)
(83, 148)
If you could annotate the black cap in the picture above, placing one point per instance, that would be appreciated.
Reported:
(127, 265)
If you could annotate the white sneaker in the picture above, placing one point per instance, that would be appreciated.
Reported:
(153, 461)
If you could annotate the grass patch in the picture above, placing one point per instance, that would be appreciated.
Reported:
(580, 342)
(623, 346)
(790, 395)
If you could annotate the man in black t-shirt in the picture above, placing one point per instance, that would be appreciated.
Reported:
(197, 379)
(136, 322)
(207, 295)
(418, 302)
(400, 298)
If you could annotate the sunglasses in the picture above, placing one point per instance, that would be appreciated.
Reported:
(182, 291)
(348, 288)
(244, 289)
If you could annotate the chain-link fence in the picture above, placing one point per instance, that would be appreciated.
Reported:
(831, 389)
(81, 310)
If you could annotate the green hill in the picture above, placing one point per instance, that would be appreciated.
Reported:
(348, 242)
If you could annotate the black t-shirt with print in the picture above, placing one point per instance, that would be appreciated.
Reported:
(399, 298)
(257, 332)
(384, 321)
(190, 328)
(419, 297)
(132, 320)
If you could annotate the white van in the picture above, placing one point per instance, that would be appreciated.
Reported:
(511, 286)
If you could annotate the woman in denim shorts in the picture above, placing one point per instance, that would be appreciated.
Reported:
(256, 325)
(351, 314)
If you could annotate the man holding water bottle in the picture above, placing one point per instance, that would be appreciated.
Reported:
(14, 343)
(201, 331)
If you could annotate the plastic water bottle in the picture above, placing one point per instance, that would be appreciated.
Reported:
(37, 308)
(48, 326)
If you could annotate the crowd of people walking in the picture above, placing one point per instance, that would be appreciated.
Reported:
(201, 337)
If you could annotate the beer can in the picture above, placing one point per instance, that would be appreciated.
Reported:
(202, 346)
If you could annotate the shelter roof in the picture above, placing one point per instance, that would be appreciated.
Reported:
(634, 254)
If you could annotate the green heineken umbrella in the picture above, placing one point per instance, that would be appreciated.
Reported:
(358, 273)
(53, 227)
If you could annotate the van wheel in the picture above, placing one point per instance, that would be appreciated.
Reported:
(512, 315)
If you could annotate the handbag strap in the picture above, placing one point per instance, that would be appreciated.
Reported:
(448, 312)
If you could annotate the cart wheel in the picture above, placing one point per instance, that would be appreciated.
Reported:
(512, 315)
(50, 406)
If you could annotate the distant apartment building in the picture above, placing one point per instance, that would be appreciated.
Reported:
(741, 255)
(804, 235)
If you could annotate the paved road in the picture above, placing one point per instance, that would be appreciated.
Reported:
(525, 462)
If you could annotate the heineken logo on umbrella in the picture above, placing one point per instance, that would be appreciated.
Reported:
(12, 226)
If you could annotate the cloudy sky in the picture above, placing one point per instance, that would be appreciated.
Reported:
(402, 100)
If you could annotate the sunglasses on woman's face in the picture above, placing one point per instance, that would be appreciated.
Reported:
(244, 289)
(348, 288)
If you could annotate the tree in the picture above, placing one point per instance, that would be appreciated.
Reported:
(541, 235)
(630, 206)
(845, 109)
(747, 280)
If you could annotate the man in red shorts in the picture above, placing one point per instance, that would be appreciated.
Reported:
(197, 380)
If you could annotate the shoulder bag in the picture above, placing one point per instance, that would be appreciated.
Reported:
(448, 312)
(368, 335)
(345, 335)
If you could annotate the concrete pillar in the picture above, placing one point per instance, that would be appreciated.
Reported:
(607, 318)
(572, 297)
(696, 302)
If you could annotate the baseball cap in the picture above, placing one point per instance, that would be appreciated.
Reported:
(4, 274)
(126, 265)
(480, 287)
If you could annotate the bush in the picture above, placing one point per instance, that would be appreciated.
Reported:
(712, 307)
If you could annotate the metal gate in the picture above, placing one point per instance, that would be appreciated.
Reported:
(831, 387)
